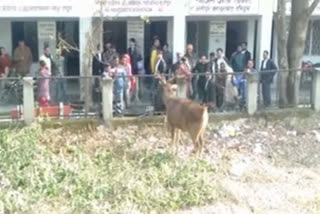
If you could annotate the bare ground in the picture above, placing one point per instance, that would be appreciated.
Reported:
(264, 167)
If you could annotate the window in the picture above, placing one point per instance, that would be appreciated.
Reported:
(312, 46)
(26, 31)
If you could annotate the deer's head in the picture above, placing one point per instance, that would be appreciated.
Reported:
(169, 89)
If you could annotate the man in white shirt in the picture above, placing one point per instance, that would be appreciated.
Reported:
(46, 57)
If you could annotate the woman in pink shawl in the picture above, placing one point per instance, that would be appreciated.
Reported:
(44, 85)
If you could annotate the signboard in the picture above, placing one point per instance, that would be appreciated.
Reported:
(138, 7)
(46, 30)
(46, 36)
(217, 29)
(217, 35)
(42, 8)
(223, 7)
(135, 29)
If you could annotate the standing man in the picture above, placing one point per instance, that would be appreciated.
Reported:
(245, 52)
(22, 57)
(167, 56)
(268, 68)
(135, 56)
(238, 60)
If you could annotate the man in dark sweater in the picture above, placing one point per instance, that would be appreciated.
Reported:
(238, 60)
(245, 52)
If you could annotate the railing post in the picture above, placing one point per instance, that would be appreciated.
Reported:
(316, 90)
(252, 93)
(28, 100)
(182, 87)
(107, 99)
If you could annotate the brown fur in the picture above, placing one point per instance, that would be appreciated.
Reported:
(185, 115)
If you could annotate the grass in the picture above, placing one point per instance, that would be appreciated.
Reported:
(115, 179)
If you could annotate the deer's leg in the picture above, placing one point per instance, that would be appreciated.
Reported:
(195, 144)
(177, 140)
(201, 142)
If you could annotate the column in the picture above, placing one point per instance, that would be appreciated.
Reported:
(264, 30)
(107, 98)
(28, 100)
(179, 34)
(170, 33)
(252, 93)
(250, 36)
(5, 35)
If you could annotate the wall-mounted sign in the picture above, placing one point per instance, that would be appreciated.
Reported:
(223, 7)
(42, 8)
(138, 7)
(217, 35)
(46, 30)
(217, 29)
(135, 29)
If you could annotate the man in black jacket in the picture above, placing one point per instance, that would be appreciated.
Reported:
(97, 70)
(246, 53)
(268, 68)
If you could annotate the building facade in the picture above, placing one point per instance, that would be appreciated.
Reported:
(207, 25)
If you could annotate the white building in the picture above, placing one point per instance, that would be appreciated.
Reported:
(206, 24)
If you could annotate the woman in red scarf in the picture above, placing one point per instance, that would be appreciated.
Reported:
(5, 65)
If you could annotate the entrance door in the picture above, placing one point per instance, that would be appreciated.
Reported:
(115, 32)
(197, 35)
(69, 31)
(236, 34)
(155, 28)
(26, 31)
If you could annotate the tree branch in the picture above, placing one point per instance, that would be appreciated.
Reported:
(313, 6)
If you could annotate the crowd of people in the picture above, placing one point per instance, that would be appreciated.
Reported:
(20, 66)
(215, 80)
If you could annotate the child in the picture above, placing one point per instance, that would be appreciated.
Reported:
(44, 85)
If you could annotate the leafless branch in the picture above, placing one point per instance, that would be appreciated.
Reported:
(313, 6)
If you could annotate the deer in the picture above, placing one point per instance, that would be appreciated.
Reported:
(184, 115)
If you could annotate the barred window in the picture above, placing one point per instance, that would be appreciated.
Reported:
(308, 39)
(316, 37)
(312, 45)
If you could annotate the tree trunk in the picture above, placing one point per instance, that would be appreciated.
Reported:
(281, 29)
(295, 47)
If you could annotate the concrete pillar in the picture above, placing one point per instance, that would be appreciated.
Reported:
(28, 100)
(5, 35)
(182, 87)
(316, 91)
(264, 30)
(170, 33)
(252, 93)
(179, 32)
(107, 100)
(251, 36)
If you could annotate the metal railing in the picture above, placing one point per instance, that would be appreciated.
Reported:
(82, 97)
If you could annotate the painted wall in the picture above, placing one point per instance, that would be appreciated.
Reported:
(5, 35)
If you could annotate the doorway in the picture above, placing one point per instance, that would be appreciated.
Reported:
(197, 35)
(27, 31)
(236, 34)
(69, 31)
(115, 32)
(155, 28)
